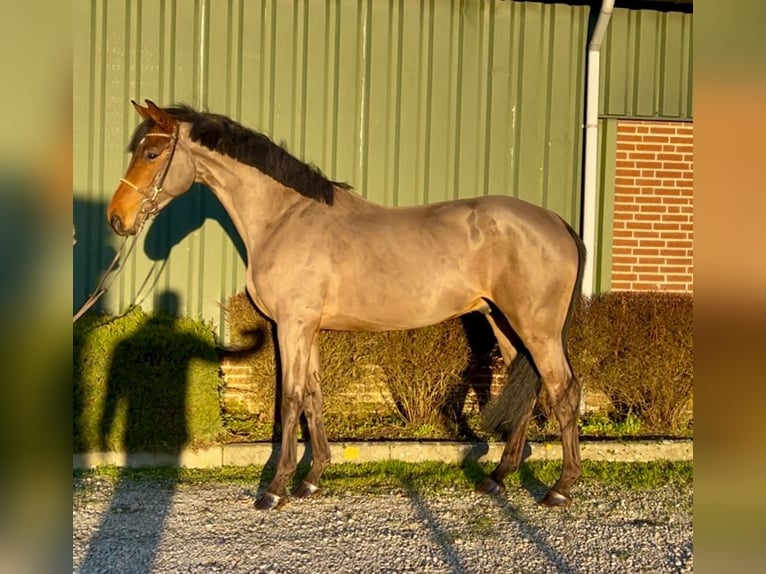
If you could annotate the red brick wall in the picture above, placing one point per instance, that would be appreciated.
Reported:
(653, 207)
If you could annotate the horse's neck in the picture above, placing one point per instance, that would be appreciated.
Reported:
(253, 200)
(350, 201)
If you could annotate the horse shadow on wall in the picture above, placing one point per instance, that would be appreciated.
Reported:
(95, 239)
(183, 216)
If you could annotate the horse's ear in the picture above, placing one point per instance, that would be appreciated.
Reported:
(142, 111)
(160, 116)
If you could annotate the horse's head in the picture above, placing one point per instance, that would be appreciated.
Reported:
(160, 170)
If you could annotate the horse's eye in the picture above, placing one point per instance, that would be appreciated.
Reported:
(151, 155)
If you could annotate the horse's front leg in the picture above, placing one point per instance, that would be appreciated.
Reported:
(312, 408)
(295, 339)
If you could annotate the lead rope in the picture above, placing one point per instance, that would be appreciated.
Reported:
(102, 286)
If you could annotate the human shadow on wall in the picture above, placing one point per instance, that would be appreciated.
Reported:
(145, 402)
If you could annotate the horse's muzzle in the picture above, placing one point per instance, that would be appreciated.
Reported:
(118, 226)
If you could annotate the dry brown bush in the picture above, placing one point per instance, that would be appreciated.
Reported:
(423, 369)
(420, 369)
(637, 348)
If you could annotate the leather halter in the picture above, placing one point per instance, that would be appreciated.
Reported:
(149, 205)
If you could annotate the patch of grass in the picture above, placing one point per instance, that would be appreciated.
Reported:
(640, 475)
(114, 474)
(382, 477)
(481, 527)
(602, 425)
(426, 477)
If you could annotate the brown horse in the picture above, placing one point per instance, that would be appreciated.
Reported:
(322, 257)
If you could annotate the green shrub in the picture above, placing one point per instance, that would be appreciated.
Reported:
(145, 383)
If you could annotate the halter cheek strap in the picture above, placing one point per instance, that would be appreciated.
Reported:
(149, 205)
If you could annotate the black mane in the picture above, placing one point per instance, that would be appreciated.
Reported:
(226, 136)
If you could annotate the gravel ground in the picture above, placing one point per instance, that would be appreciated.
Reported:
(148, 526)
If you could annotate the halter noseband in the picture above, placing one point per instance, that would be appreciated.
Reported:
(149, 205)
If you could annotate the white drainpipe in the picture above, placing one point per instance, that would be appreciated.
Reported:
(590, 214)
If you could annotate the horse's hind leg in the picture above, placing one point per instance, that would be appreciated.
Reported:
(564, 392)
(502, 331)
(312, 408)
(514, 444)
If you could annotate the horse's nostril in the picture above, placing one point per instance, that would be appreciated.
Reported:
(117, 224)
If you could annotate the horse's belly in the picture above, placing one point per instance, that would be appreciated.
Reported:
(404, 311)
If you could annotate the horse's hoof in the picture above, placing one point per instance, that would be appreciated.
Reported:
(556, 499)
(490, 486)
(270, 501)
(306, 489)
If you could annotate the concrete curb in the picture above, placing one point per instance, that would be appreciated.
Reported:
(407, 451)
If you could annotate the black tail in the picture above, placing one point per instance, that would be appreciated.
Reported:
(523, 383)
(517, 397)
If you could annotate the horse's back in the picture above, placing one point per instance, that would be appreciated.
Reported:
(366, 218)
(486, 231)
(407, 267)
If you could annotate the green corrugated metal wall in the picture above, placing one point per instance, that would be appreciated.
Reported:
(646, 69)
(409, 101)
